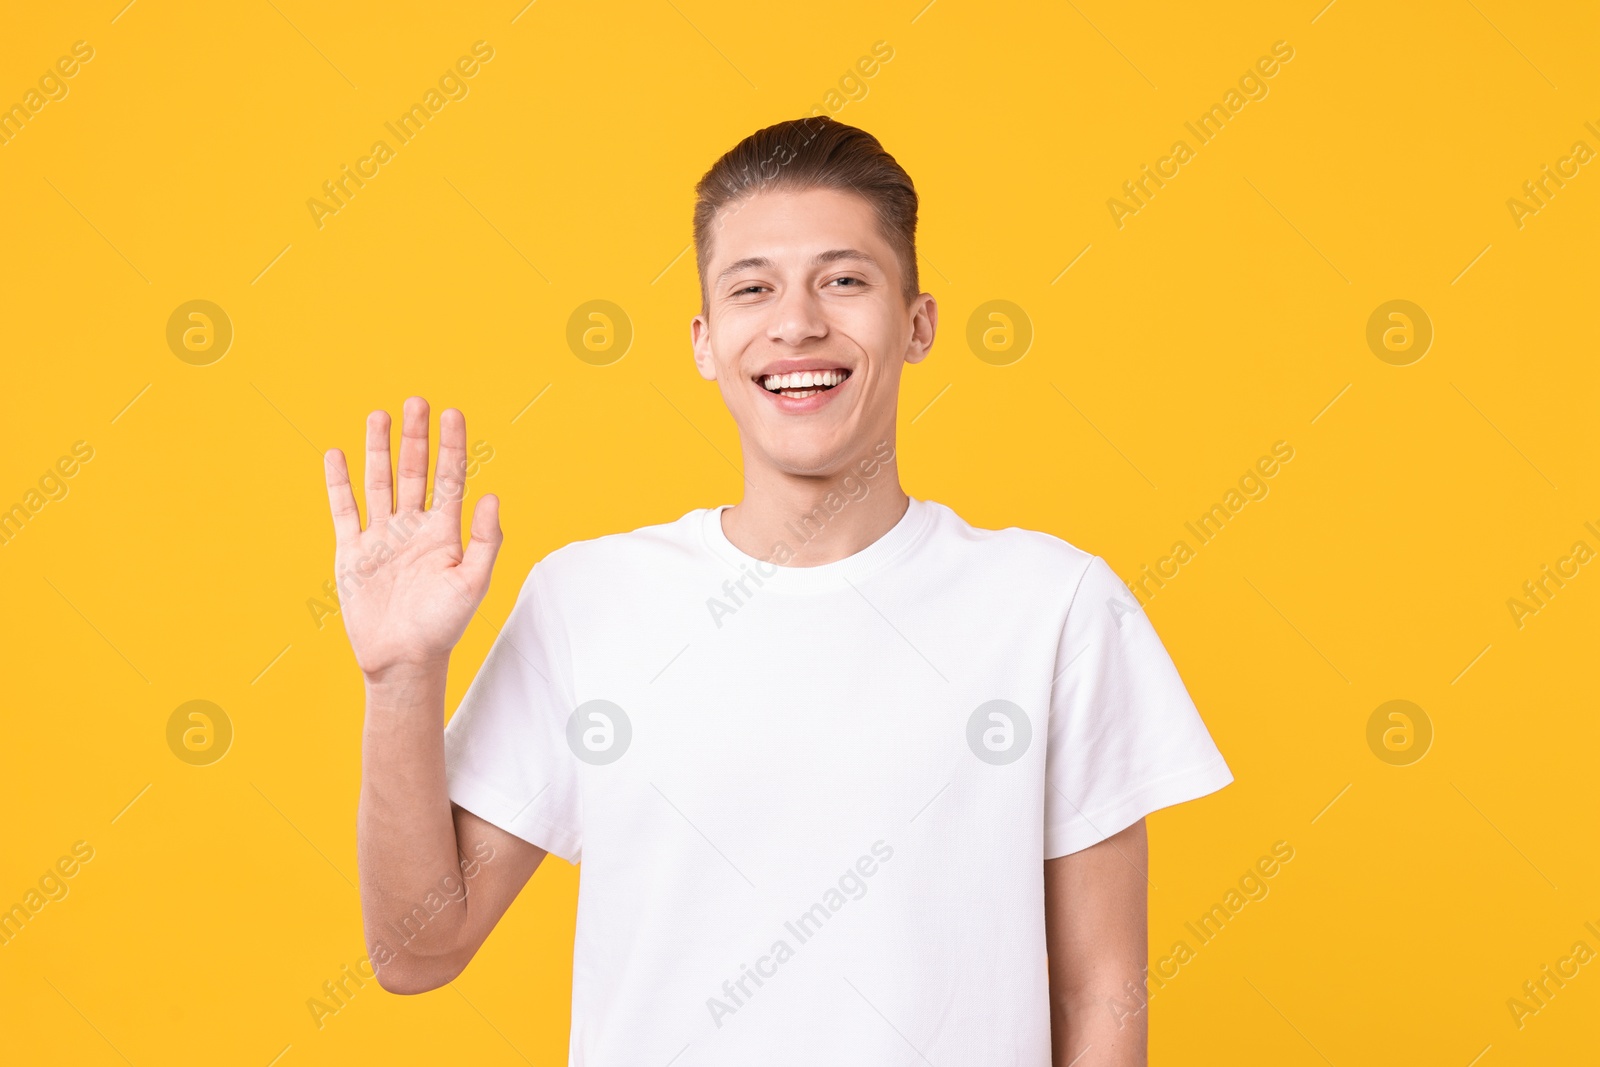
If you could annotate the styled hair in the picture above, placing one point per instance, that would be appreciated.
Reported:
(811, 153)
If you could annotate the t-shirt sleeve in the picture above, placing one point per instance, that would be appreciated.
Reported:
(506, 754)
(1125, 739)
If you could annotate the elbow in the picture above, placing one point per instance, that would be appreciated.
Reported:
(428, 958)
(408, 978)
(404, 985)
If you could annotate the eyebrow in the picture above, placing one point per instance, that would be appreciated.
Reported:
(822, 258)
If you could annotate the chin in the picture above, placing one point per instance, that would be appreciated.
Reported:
(808, 458)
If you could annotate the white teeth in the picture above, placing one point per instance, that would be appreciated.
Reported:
(803, 380)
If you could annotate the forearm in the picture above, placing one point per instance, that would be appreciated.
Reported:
(1097, 943)
(1099, 1028)
(406, 835)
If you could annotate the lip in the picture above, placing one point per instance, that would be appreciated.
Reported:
(805, 405)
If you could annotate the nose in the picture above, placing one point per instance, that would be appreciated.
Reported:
(797, 317)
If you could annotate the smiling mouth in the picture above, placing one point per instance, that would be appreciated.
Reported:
(802, 384)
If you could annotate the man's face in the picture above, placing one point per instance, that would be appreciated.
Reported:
(803, 283)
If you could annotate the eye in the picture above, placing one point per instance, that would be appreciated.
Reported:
(746, 289)
(849, 278)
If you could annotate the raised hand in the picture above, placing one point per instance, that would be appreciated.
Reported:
(406, 588)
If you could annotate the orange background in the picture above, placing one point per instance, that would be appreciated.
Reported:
(1167, 355)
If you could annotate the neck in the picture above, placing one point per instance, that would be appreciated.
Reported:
(819, 519)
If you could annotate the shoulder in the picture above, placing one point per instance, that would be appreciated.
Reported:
(595, 563)
(1038, 566)
(1015, 550)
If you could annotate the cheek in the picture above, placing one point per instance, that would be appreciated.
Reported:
(876, 341)
(731, 347)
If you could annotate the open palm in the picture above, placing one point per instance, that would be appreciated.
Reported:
(406, 588)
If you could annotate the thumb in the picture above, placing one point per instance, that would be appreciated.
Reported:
(478, 560)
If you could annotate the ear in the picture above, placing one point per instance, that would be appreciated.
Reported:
(700, 341)
(924, 324)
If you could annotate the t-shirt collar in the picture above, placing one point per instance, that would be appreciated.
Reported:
(839, 574)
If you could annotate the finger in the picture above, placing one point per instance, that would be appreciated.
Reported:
(380, 499)
(450, 472)
(413, 468)
(341, 500)
(478, 560)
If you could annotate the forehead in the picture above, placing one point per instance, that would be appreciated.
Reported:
(782, 223)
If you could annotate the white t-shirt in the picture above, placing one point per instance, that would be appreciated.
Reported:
(813, 804)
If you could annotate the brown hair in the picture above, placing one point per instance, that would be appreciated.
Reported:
(810, 153)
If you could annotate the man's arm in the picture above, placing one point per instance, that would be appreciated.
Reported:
(413, 843)
(1097, 937)
(407, 590)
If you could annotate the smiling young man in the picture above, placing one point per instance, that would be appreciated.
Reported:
(852, 782)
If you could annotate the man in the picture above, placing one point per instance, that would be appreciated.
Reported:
(840, 767)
